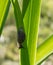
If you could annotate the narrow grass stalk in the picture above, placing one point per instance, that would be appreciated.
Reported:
(18, 15)
(44, 50)
(24, 7)
(4, 8)
(24, 57)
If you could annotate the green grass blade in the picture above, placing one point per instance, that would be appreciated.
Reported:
(18, 15)
(31, 22)
(24, 7)
(4, 8)
(45, 49)
(24, 57)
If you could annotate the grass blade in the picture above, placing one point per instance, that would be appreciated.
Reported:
(18, 15)
(4, 8)
(31, 22)
(25, 6)
(19, 22)
(44, 50)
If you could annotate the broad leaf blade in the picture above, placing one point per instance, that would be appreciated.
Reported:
(4, 8)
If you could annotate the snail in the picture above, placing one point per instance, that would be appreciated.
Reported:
(21, 37)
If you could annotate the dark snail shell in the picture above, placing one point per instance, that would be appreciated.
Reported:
(21, 37)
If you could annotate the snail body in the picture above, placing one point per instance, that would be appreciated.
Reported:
(21, 37)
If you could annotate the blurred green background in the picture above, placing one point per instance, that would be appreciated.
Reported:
(9, 52)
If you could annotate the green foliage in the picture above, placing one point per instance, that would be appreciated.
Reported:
(32, 19)
(28, 19)
(4, 8)
(46, 49)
